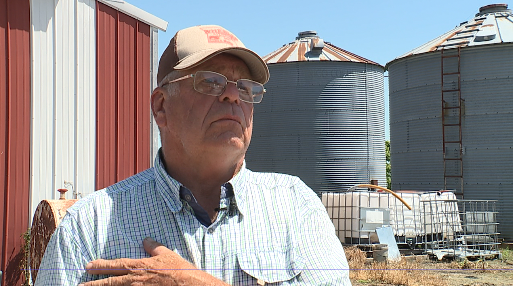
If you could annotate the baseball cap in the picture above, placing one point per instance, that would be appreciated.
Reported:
(195, 45)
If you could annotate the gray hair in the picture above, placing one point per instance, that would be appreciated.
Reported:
(172, 88)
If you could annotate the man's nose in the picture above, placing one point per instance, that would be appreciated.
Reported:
(231, 93)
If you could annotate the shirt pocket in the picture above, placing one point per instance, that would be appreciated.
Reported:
(271, 266)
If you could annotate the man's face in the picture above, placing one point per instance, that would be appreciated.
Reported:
(205, 125)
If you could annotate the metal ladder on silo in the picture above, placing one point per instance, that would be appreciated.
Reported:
(451, 120)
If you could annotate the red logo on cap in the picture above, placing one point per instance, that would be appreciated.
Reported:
(218, 36)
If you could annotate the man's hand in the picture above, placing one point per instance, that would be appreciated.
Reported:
(165, 267)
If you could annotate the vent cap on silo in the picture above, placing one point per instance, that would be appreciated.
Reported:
(308, 46)
(493, 8)
(492, 25)
(307, 34)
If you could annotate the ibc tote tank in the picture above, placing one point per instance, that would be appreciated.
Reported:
(322, 117)
(455, 94)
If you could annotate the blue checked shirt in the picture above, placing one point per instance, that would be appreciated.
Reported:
(277, 231)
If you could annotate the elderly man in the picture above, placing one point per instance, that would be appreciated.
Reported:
(199, 216)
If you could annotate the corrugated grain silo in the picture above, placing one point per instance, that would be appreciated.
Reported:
(451, 113)
(322, 117)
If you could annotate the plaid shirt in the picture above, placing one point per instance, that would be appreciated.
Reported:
(277, 231)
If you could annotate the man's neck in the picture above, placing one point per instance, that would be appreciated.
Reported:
(204, 179)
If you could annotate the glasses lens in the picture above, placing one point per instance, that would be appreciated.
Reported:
(213, 83)
(250, 91)
(209, 83)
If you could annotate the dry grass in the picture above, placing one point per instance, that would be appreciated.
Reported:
(507, 255)
(403, 272)
(480, 265)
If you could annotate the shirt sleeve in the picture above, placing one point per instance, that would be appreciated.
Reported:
(63, 262)
(321, 250)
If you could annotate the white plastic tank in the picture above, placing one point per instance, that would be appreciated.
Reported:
(406, 222)
(440, 214)
(356, 215)
(345, 210)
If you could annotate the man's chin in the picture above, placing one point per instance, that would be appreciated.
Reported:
(235, 143)
(229, 145)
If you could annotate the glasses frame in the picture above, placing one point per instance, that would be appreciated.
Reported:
(224, 89)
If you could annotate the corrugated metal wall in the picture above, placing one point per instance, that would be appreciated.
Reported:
(14, 134)
(416, 124)
(48, 113)
(487, 125)
(63, 94)
(123, 91)
(154, 131)
(321, 121)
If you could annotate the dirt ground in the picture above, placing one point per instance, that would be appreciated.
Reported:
(495, 273)
(421, 270)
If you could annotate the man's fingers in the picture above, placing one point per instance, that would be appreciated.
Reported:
(155, 248)
(110, 281)
(109, 267)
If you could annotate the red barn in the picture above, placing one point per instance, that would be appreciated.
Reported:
(75, 82)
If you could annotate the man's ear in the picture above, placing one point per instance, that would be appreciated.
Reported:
(157, 106)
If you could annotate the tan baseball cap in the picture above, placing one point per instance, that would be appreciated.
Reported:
(195, 45)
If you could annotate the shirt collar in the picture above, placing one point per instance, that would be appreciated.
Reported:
(200, 213)
(240, 183)
(169, 188)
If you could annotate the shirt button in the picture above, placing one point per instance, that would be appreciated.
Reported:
(210, 230)
(188, 198)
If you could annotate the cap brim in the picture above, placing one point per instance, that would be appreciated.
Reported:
(256, 65)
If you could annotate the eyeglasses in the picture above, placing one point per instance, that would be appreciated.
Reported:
(213, 83)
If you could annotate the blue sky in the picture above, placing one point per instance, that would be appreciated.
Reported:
(377, 30)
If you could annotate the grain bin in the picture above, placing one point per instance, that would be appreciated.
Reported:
(322, 117)
(451, 113)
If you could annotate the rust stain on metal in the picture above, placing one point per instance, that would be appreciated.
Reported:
(487, 25)
(301, 47)
(282, 50)
(285, 56)
(273, 54)
(301, 52)
(439, 43)
(475, 24)
(48, 215)
(478, 22)
(314, 42)
(63, 193)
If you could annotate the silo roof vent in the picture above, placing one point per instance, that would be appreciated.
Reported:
(307, 34)
(308, 46)
(493, 8)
